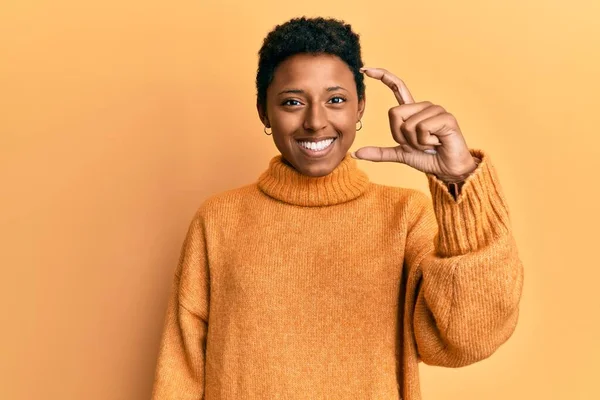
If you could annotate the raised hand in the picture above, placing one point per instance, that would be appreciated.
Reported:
(429, 137)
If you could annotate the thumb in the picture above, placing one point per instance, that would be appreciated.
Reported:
(378, 154)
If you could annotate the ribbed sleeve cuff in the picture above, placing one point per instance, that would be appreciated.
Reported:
(476, 217)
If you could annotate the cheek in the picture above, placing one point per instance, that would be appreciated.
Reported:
(286, 123)
(344, 121)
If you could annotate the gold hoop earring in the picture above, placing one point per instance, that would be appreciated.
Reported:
(360, 126)
(267, 133)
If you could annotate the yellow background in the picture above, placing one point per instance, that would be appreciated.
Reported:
(117, 118)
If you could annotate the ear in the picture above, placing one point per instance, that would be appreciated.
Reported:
(262, 114)
(361, 107)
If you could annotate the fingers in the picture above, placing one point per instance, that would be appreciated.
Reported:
(379, 154)
(393, 82)
(399, 114)
(416, 127)
(418, 130)
(405, 127)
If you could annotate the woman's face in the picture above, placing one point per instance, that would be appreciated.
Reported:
(313, 109)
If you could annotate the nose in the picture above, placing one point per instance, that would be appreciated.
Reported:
(315, 118)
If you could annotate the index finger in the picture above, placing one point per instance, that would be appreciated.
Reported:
(392, 81)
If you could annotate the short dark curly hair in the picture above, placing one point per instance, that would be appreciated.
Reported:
(308, 35)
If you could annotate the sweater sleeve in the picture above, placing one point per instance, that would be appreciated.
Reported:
(181, 359)
(463, 257)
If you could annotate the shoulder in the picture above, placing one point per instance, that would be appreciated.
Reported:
(398, 196)
(227, 203)
(401, 203)
(229, 197)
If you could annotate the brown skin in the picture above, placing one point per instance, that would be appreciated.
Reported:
(314, 113)
(429, 137)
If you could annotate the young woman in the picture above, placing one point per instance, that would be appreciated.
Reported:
(315, 283)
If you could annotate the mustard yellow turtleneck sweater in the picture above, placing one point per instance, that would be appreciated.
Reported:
(334, 287)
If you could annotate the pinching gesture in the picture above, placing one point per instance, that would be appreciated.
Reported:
(429, 137)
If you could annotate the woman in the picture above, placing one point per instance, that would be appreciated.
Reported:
(315, 283)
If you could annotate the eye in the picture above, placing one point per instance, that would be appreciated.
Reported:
(286, 103)
(339, 98)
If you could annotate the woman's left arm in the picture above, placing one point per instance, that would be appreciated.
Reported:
(463, 257)
(465, 279)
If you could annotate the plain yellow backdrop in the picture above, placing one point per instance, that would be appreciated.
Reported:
(118, 118)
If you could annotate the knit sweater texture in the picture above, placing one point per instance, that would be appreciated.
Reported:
(335, 287)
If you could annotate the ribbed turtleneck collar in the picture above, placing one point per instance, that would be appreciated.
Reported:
(283, 182)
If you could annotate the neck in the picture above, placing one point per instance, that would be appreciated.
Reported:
(283, 182)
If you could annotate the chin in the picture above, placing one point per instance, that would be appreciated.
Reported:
(317, 168)
(313, 164)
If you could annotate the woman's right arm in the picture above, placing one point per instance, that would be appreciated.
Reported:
(181, 359)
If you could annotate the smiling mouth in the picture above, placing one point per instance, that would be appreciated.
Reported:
(316, 148)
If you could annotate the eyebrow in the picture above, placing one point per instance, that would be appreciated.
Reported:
(329, 89)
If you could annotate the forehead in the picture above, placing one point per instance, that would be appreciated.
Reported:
(312, 70)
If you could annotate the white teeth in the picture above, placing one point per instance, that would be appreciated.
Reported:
(317, 146)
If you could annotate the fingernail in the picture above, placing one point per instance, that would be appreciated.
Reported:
(363, 69)
(353, 155)
(430, 151)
